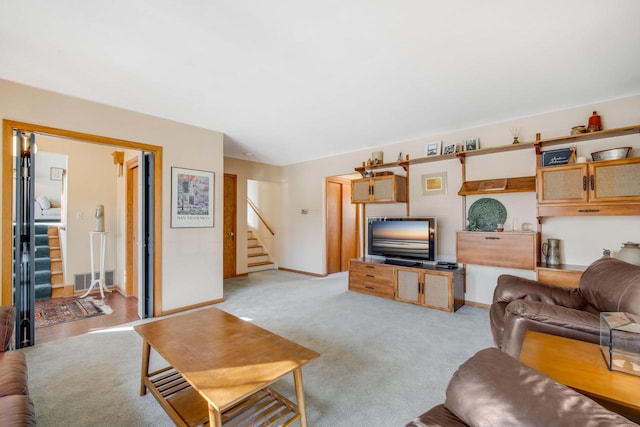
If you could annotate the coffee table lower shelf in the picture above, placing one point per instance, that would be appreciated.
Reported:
(187, 408)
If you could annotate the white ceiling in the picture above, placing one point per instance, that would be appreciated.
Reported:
(294, 80)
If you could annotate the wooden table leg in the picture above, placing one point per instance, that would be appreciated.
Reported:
(144, 372)
(297, 379)
(215, 418)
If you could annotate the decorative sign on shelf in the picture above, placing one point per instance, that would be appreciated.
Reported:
(493, 185)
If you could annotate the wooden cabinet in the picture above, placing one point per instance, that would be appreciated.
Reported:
(371, 278)
(379, 189)
(440, 289)
(510, 249)
(597, 188)
(563, 275)
(425, 286)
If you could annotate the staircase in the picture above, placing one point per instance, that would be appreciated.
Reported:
(258, 257)
(42, 262)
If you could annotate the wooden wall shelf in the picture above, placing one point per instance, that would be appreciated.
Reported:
(523, 184)
(404, 164)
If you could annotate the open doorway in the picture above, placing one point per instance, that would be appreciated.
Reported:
(79, 210)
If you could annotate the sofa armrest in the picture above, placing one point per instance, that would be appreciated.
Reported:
(438, 416)
(7, 322)
(511, 288)
(494, 389)
(523, 315)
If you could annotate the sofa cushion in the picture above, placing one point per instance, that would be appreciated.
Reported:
(17, 411)
(7, 322)
(612, 285)
(494, 389)
(13, 374)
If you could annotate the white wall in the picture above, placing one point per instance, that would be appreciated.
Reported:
(582, 238)
(191, 258)
(44, 185)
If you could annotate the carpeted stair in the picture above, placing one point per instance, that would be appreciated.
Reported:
(42, 262)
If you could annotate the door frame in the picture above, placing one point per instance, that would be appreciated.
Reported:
(7, 194)
(129, 257)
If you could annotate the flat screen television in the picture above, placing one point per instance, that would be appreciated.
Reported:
(402, 238)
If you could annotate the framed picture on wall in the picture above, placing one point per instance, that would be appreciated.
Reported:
(55, 174)
(191, 198)
(434, 184)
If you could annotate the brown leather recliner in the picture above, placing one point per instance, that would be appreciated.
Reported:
(521, 304)
(494, 389)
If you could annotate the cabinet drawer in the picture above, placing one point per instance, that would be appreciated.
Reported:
(510, 249)
(368, 269)
(379, 289)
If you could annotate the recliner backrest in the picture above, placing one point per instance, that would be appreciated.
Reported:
(612, 285)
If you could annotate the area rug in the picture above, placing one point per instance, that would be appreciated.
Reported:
(60, 310)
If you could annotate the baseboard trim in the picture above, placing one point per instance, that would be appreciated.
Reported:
(478, 304)
(191, 307)
(302, 272)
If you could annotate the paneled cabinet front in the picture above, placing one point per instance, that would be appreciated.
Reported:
(596, 188)
(511, 249)
(443, 290)
(379, 189)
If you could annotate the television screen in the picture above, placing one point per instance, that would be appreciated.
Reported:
(403, 238)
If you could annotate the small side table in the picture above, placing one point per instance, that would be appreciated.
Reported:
(100, 280)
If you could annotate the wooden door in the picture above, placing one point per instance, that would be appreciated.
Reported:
(342, 225)
(229, 227)
(132, 249)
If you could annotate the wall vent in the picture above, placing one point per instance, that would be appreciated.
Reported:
(82, 282)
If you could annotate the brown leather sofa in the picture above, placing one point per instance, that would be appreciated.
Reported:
(494, 389)
(16, 407)
(520, 304)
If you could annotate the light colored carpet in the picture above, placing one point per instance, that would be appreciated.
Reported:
(382, 362)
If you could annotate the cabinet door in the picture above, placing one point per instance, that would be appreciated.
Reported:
(408, 285)
(615, 181)
(562, 184)
(384, 188)
(360, 190)
(438, 291)
(512, 249)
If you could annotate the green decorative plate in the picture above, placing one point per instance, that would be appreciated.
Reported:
(485, 214)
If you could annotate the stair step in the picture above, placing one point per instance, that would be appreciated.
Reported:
(256, 254)
(260, 263)
(56, 278)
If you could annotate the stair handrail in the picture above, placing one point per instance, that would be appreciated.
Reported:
(262, 219)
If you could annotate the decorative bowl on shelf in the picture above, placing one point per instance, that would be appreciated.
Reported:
(611, 154)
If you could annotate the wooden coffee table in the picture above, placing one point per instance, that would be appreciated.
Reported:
(220, 370)
(581, 366)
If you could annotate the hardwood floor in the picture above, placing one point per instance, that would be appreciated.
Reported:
(125, 309)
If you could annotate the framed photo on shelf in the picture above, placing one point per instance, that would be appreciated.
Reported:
(433, 148)
(191, 198)
(449, 149)
(434, 184)
(471, 144)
